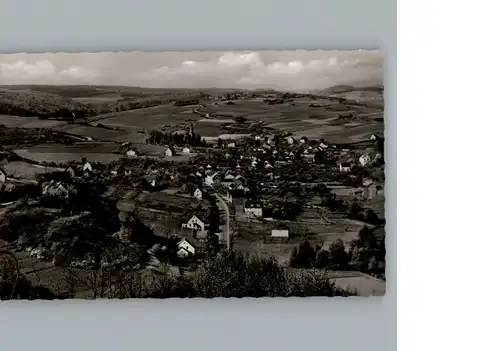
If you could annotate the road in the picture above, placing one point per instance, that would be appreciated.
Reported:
(226, 227)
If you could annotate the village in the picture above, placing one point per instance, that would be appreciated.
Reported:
(260, 181)
(172, 201)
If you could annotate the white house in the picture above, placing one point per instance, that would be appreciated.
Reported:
(185, 248)
(210, 179)
(3, 176)
(373, 137)
(281, 231)
(267, 165)
(229, 177)
(168, 152)
(253, 210)
(87, 167)
(290, 140)
(364, 160)
(198, 194)
(303, 140)
(186, 150)
(55, 189)
(231, 144)
(131, 153)
(323, 145)
(195, 223)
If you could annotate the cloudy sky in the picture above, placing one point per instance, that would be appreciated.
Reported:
(285, 70)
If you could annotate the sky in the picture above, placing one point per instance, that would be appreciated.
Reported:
(282, 70)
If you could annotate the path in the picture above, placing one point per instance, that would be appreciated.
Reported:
(226, 227)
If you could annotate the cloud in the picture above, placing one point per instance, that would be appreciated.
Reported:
(292, 70)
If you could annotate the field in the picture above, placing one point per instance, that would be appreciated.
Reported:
(60, 153)
(24, 170)
(253, 236)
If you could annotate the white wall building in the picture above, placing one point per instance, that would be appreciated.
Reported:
(131, 153)
(87, 167)
(198, 194)
(186, 150)
(185, 244)
(364, 160)
(195, 223)
(168, 152)
(281, 231)
(3, 176)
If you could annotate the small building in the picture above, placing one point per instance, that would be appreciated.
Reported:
(303, 140)
(131, 153)
(253, 209)
(169, 152)
(195, 223)
(280, 231)
(364, 160)
(323, 146)
(231, 144)
(210, 179)
(373, 137)
(198, 194)
(3, 176)
(186, 150)
(290, 140)
(87, 167)
(309, 158)
(185, 248)
(54, 188)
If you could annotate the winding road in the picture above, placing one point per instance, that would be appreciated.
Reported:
(226, 227)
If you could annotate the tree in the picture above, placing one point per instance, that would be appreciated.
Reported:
(338, 257)
(240, 119)
(305, 257)
(322, 259)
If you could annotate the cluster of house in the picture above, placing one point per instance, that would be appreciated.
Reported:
(169, 151)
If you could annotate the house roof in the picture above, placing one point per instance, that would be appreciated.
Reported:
(282, 226)
(189, 241)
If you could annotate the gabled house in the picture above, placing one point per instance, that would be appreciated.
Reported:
(198, 194)
(132, 152)
(3, 176)
(211, 178)
(373, 137)
(229, 177)
(87, 167)
(231, 144)
(169, 152)
(186, 150)
(185, 248)
(290, 140)
(323, 145)
(70, 171)
(364, 160)
(54, 188)
(196, 223)
(303, 140)
(280, 231)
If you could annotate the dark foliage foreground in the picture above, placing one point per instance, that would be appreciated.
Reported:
(225, 274)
